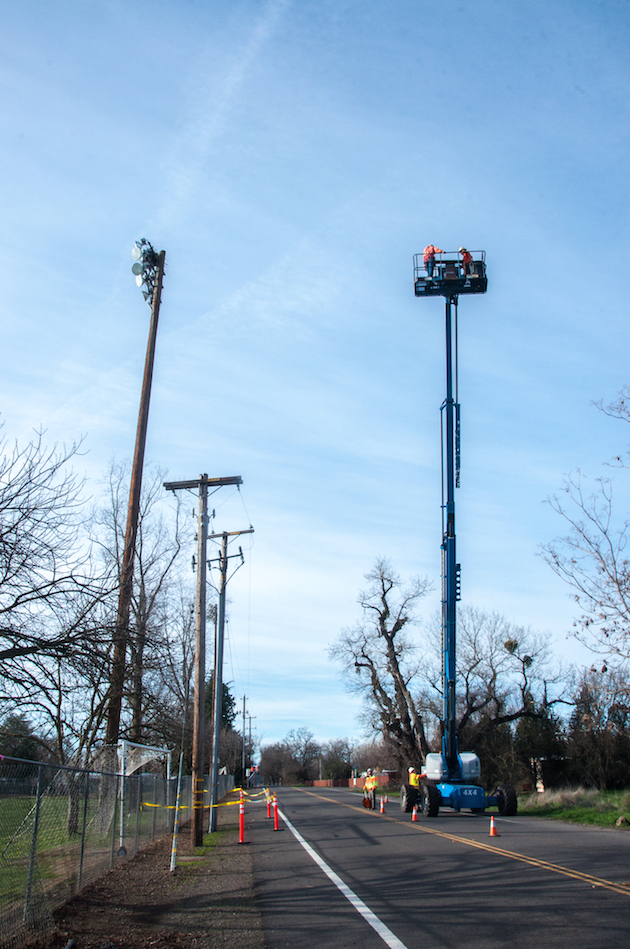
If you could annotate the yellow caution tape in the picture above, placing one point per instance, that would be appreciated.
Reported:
(167, 807)
(184, 807)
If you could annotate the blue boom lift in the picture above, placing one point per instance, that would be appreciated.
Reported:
(451, 778)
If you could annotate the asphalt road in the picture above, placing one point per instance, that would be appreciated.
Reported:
(440, 883)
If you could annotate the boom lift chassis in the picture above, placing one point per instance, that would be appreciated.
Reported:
(452, 779)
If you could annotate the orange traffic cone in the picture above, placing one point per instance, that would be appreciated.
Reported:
(493, 830)
(414, 813)
(382, 805)
(386, 799)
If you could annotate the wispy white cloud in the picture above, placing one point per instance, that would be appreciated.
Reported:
(212, 93)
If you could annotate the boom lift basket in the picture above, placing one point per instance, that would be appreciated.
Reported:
(450, 274)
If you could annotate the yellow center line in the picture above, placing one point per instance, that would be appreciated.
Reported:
(532, 861)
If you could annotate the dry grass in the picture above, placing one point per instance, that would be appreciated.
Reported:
(565, 798)
(578, 805)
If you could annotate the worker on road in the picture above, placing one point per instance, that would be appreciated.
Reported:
(429, 258)
(414, 778)
(466, 260)
(369, 788)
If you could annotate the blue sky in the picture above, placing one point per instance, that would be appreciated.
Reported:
(291, 158)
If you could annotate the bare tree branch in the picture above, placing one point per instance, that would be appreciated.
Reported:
(377, 659)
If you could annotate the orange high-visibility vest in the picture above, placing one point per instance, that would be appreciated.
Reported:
(430, 251)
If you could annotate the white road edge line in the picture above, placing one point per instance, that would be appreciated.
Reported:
(379, 927)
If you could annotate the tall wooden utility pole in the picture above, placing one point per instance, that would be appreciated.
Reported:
(150, 273)
(201, 484)
(199, 717)
(218, 670)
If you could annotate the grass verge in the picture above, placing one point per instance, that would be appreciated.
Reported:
(209, 841)
(578, 806)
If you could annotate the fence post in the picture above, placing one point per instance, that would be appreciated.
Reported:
(155, 781)
(111, 856)
(31, 866)
(173, 792)
(85, 806)
(138, 800)
(176, 814)
(122, 850)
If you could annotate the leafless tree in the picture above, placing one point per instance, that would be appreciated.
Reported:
(593, 556)
(231, 751)
(377, 755)
(276, 764)
(47, 588)
(65, 689)
(336, 758)
(167, 682)
(505, 673)
(291, 761)
(304, 750)
(598, 736)
(379, 660)
(158, 545)
(66, 696)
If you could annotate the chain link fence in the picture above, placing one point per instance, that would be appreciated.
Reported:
(61, 828)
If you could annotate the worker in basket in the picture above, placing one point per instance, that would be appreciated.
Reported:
(429, 258)
(369, 790)
(467, 259)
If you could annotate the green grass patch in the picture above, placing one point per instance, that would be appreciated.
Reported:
(578, 806)
(210, 841)
(58, 849)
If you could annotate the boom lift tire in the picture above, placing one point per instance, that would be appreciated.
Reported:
(507, 801)
(408, 797)
(429, 801)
